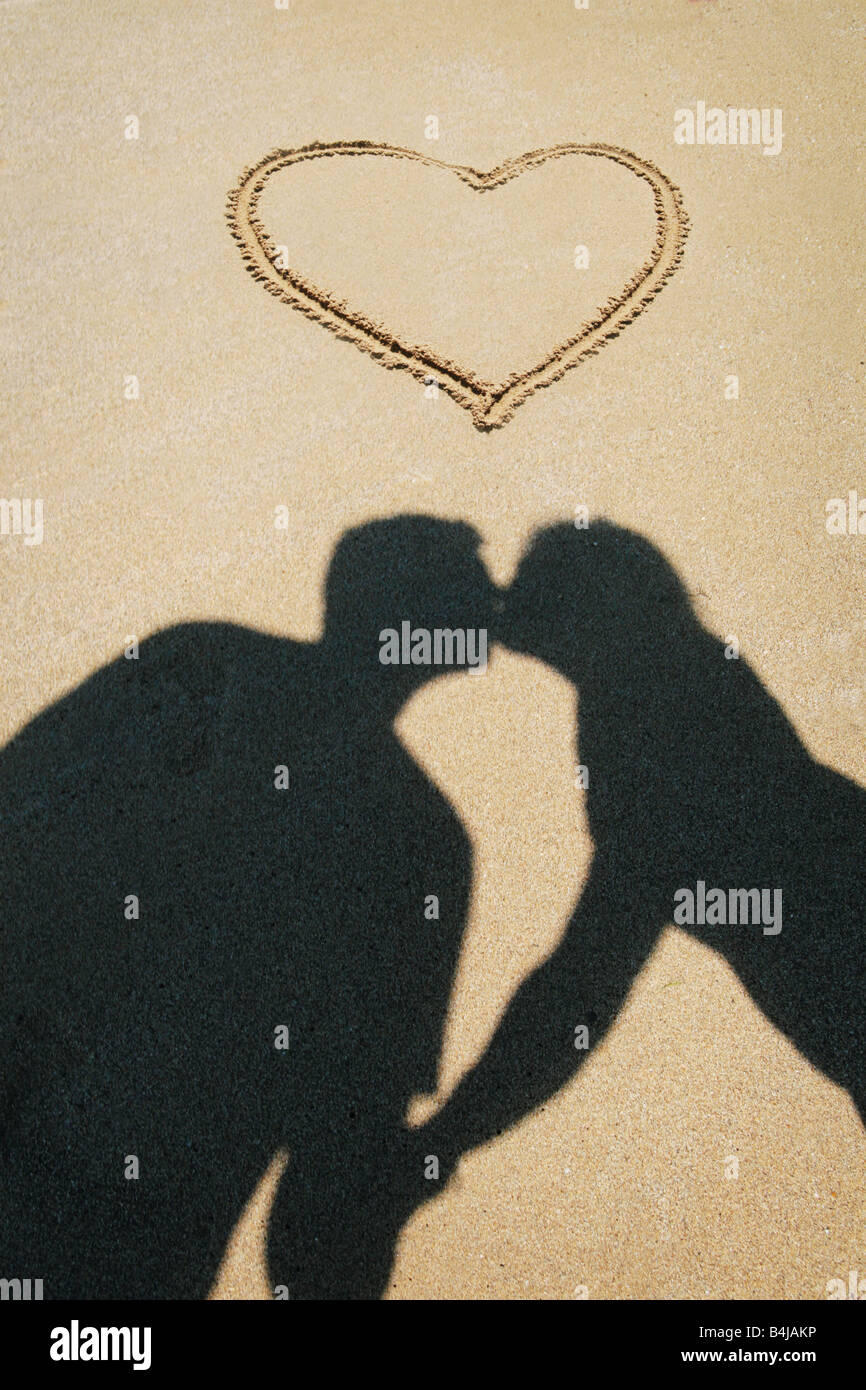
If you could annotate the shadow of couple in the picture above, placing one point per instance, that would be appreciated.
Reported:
(260, 909)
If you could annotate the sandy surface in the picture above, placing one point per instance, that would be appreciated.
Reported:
(160, 509)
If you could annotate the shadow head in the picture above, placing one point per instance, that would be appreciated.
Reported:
(591, 600)
(417, 569)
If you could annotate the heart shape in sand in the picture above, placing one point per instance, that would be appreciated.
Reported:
(490, 404)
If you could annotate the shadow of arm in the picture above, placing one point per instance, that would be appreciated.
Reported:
(536, 1048)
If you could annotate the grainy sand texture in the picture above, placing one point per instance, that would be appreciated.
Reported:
(492, 198)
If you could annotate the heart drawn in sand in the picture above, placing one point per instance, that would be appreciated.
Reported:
(490, 404)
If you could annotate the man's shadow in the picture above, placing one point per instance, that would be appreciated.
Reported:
(694, 775)
(261, 907)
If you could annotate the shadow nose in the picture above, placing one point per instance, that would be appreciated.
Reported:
(499, 615)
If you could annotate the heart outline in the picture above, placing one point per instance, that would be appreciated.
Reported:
(491, 405)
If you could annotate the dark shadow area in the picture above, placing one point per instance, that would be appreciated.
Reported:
(304, 907)
(259, 907)
(695, 775)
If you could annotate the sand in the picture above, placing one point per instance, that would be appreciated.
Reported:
(160, 498)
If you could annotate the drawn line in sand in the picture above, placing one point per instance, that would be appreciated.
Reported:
(491, 405)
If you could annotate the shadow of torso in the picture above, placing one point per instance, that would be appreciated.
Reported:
(697, 775)
(259, 907)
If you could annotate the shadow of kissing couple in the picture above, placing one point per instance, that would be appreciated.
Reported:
(216, 859)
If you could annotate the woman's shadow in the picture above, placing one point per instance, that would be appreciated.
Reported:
(210, 851)
(695, 777)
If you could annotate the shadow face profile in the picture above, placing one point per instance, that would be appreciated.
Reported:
(216, 860)
(697, 777)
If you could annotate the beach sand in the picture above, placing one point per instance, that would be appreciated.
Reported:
(160, 508)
